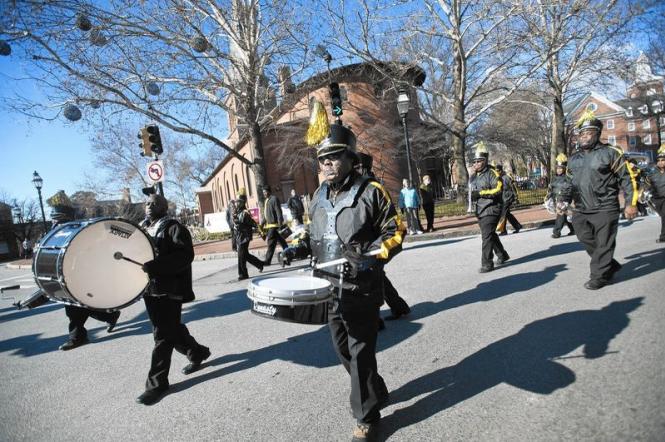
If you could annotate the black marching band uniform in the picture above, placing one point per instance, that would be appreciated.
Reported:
(63, 211)
(486, 192)
(244, 224)
(350, 217)
(655, 183)
(597, 171)
(170, 286)
(508, 196)
(272, 222)
(560, 191)
(398, 306)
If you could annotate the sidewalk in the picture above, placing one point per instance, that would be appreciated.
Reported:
(449, 227)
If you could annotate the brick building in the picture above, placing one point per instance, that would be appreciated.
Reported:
(369, 103)
(635, 123)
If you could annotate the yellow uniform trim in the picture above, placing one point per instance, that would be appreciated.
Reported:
(398, 237)
(497, 189)
(632, 172)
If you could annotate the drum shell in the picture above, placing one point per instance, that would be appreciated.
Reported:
(301, 305)
(50, 264)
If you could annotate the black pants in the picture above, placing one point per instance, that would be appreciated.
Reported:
(491, 241)
(397, 304)
(510, 218)
(354, 328)
(272, 238)
(559, 222)
(77, 317)
(597, 232)
(244, 257)
(234, 245)
(429, 216)
(169, 333)
(659, 204)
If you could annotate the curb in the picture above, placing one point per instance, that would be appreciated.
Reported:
(18, 266)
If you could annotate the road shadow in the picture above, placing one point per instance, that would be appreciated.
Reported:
(25, 313)
(641, 264)
(432, 243)
(553, 250)
(527, 360)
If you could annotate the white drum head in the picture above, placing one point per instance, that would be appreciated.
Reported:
(290, 290)
(94, 277)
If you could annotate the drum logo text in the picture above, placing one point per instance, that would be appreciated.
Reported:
(266, 309)
(122, 233)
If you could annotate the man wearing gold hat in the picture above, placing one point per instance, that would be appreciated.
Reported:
(598, 171)
(656, 184)
(486, 189)
(352, 215)
(560, 191)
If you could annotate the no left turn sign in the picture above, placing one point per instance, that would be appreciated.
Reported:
(156, 171)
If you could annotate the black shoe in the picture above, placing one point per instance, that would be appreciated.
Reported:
(71, 345)
(397, 315)
(485, 269)
(503, 233)
(614, 268)
(261, 268)
(595, 284)
(660, 240)
(196, 365)
(502, 259)
(517, 230)
(363, 432)
(150, 397)
(557, 235)
(242, 278)
(113, 321)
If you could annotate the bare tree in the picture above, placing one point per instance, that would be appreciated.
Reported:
(180, 63)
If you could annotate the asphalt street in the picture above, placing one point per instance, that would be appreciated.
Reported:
(523, 353)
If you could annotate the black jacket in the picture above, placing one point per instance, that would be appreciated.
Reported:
(508, 194)
(560, 189)
(295, 205)
(490, 186)
(596, 176)
(244, 224)
(656, 183)
(171, 270)
(272, 212)
(426, 195)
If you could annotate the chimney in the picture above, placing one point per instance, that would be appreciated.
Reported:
(285, 84)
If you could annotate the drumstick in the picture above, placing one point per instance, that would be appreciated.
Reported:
(119, 255)
(343, 260)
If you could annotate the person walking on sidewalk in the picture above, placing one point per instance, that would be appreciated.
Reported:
(272, 222)
(509, 196)
(560, 191)
(427, 201)
(656, 184)
(296, 207)
(170, 286)
(408, 198)
(244, 224)
(486, 194)
(597, 171)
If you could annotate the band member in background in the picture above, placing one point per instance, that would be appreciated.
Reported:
(487, 193)
(597, 171)
(427, 202)
(272, 221)
(296, 207)
(397, 304)
(170, 286)
(63, 212)
(244, 224)
(364, 220)
(560, 191)
(509, 196)
(656, 185)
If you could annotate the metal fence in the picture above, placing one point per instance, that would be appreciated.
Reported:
(525, 198)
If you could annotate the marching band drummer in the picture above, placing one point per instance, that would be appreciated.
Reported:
(362, 218)
(171, 286)
(63, 212)
(656, 184)
(561, 190)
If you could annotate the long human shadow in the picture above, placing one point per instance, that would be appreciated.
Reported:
(553, 250)
(525, 360)
(433, 243)
(642, 264)
(25, 313)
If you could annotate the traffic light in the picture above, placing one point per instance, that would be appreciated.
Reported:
(335, 99)
(145, 143)
(154, 139)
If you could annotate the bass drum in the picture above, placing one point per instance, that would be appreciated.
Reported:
(75, 263)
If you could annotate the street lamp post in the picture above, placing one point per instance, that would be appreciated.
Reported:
(38, 182)
(403, 109)
(16, 211)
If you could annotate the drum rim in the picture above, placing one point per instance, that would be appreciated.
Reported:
(59, 262)
(288, 298)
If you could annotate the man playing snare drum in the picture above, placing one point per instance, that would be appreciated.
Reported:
(352, 215)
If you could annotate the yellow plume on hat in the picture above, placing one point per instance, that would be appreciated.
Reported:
(319, 127)
(588, 115)
(242, 191)
(561, 159)
(59, 199)
(661, 151)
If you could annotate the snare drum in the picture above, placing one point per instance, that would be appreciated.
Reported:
(302, 299)
(75, 264)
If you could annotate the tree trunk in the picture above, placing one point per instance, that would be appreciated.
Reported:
(459, 139)
(258, 166)
(558, 133)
